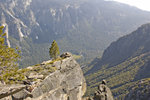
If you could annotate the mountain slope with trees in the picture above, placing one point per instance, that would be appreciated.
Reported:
(124, 63)
(83, 27)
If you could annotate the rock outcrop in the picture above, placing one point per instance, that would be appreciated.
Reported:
(10, 90)
(103, 92)
(66, 83)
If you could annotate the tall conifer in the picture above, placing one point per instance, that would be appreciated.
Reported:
(54, 50)
(8, 57)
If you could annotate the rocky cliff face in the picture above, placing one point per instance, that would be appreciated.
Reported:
(66, 83)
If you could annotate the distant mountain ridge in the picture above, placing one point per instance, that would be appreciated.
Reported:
(124, 62)
(128, 46)
(82, 27)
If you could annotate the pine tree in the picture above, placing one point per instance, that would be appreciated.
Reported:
(54, 50)
(8, 57)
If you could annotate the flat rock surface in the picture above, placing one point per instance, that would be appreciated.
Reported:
(6, 90)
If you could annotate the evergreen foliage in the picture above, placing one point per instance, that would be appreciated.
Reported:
(54, 50)
(8, 58)
(120, 78)
(123, 63)
(86, 35)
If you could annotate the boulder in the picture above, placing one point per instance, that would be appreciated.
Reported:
(66, 54)
(22, 95)
(8, 90)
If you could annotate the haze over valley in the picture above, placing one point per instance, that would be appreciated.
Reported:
(84, 28)
(110, 41)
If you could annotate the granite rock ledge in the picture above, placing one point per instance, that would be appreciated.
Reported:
(66, 83)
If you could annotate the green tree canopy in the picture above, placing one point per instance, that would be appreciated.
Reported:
(8, 57)
(54, 50)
